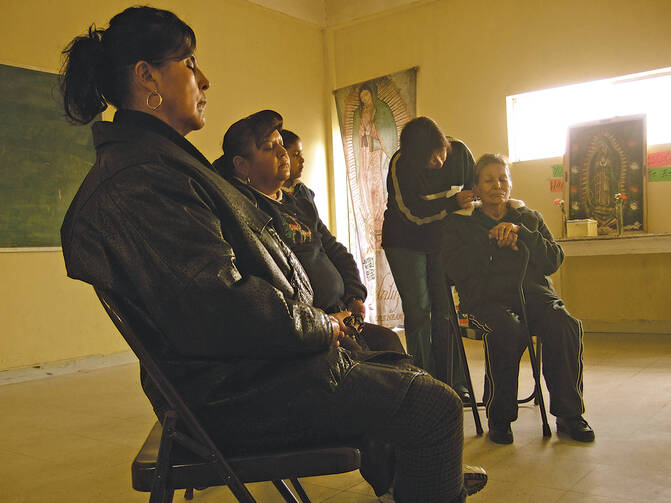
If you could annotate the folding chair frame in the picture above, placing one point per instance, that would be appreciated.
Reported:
(534, 356)
(179, 425)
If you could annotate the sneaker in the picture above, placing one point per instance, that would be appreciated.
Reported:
(576, 427)
(500, 433)
(475, 479)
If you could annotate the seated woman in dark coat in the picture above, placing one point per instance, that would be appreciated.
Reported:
(482, 256)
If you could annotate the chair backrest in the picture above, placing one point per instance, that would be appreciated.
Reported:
(134, 325)
(131, 321)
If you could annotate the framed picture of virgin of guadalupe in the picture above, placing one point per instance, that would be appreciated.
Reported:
(605, 166)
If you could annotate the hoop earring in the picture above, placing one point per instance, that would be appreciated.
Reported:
(160, 100)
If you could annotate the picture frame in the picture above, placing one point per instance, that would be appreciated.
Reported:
(606, 160)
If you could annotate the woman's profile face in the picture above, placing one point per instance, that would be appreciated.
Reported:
(494, 184)
(295, 151)
(269, 165)
(182, 85)
(365, 97)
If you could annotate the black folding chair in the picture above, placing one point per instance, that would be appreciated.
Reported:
(179, 454)
(458, 332)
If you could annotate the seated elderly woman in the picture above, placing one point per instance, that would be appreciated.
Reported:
(482, 256)
(332, 271)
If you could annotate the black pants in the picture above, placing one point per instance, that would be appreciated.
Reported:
(379, 338)
(505, 341)
(425, 430)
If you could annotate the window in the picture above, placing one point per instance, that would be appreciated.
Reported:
(538, 121)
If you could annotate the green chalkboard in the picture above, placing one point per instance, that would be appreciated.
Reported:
(43, 158)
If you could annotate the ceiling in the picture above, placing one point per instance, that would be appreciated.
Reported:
(331, 12)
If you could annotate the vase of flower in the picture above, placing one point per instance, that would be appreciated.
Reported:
(560, 202)
(619, 212)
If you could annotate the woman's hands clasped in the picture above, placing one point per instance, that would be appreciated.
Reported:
(505, 235)
(338, 328)
(342, 333)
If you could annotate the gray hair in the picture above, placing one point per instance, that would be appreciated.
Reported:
(486, 159)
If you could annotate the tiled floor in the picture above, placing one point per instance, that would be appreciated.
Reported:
(71, 438)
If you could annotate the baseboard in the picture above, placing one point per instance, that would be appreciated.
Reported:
(628, 326)
(62, 367)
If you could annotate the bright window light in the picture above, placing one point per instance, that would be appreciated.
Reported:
(538, 121)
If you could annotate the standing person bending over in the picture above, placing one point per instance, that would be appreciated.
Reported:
(482, 255)
(423, 183)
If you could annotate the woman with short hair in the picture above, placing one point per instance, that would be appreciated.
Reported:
(482, 255)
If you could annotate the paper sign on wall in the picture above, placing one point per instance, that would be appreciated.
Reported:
(659, 159)
(659, 166)
(660, 174)
(557, 180)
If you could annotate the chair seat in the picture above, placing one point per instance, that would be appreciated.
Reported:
(189, 470)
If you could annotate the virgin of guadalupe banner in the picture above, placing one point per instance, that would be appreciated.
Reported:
(371, 115)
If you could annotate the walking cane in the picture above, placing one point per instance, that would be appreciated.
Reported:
(532, 352)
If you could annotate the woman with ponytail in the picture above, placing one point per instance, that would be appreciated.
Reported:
(155, 224)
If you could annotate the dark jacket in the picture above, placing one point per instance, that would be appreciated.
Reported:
(153, 222)
(419, 199)
(300, 190)
(485, 273)
(331, 269)
(336, 253)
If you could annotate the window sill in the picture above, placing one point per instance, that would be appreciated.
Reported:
(629, 244)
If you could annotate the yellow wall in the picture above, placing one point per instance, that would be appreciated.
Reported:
(255, 58)
(473, 53)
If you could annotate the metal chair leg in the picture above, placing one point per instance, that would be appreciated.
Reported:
(284, 490)
(298, 487)
(532, 395)
(161, 492)
(456, 337)
(469, 382)
(535, 365)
